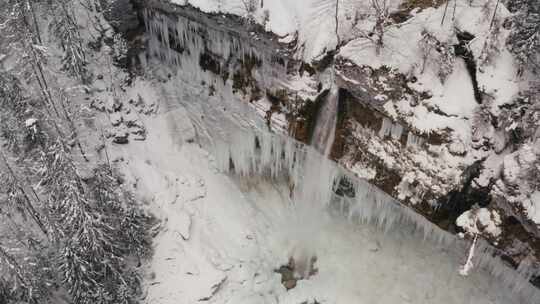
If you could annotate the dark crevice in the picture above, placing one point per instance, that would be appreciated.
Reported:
(462, 50)
(338, 146)
(312, 110)
(460, 200)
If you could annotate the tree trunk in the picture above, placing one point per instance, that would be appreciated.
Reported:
(30, 7)
(28, 203)
(74, 135)
(494, 14)
(445, 10)
(14, 266)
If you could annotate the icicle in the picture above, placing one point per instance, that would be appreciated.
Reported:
(388, 128)
(527, 269)
(466, 268)
(414, 140)
(397, 131)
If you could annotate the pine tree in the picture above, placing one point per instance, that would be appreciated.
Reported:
(91, 229)
(524, 39)
(65, 28)
(19, 36)
(11, 98)
(95, 230)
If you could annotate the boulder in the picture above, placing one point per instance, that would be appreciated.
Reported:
(120, 135)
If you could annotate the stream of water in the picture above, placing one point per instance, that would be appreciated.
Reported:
(325, 128)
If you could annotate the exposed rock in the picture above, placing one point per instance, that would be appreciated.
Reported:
(215, 289)
(98, 105)
(139, 133)
(120, 135)
(113, 105)
(184, 225)
(289, 284)
(293, 272)
(120, 14)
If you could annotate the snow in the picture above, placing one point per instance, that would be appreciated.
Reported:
(457, 95)
(533, 207)
(480, 221)
(363, 172)
(454, 97)
(30, 122)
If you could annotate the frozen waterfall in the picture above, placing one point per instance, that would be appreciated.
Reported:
(242, 147)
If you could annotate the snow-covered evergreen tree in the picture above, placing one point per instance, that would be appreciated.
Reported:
(96, 229)
(72, 235)
(65, 28)
(524, 40)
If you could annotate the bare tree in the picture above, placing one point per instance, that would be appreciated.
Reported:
(494, 14)
(251, 7)
(382, 16)
(445, 10)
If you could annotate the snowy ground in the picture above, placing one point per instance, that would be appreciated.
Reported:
(223, 238)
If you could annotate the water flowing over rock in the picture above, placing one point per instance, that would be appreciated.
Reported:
(325, 128)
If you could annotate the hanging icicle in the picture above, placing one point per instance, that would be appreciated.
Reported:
(414, 140)
(388, 128)
(467, 267)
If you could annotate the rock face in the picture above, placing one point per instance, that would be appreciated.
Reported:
(120, 14)
(454, 170)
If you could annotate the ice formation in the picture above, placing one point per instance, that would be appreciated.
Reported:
(184, 43)
(414, 140)
(312, 179)
(389, 128)
(466, 268)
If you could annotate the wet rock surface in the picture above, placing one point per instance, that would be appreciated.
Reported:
(121, 14)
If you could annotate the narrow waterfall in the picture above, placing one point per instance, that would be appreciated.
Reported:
(325, 128)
